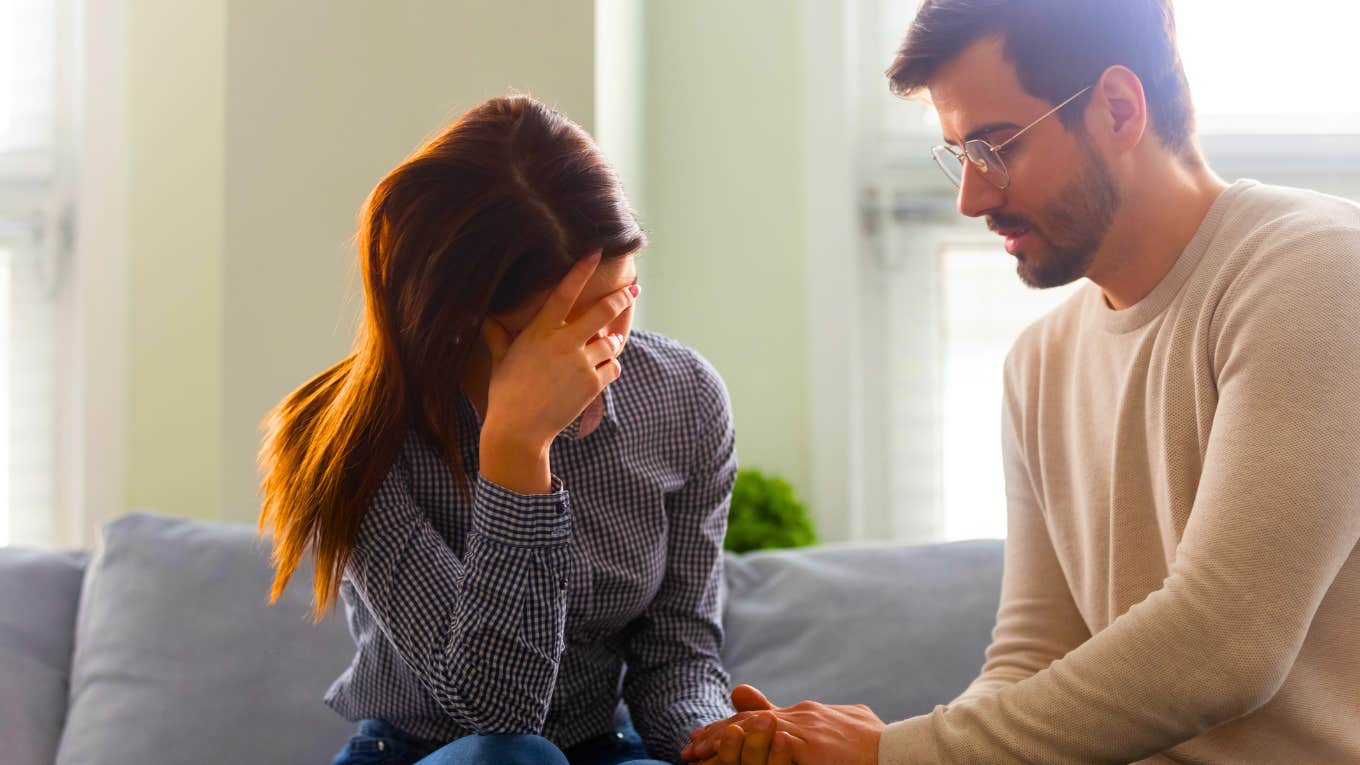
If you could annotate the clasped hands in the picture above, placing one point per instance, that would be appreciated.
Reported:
(808, 733)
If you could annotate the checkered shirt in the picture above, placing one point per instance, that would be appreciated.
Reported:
(487, 611)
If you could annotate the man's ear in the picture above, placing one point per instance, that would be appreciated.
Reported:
(1117, 115)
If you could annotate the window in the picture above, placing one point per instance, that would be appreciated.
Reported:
(942, 303)
(31, 249)
(1298, 82)
(975, 342)
(941, 306)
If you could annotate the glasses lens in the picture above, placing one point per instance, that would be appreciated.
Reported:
(950, 163)
(987, 162)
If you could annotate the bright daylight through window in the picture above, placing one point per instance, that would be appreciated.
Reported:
(27, 160)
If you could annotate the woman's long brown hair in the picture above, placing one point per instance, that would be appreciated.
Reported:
(494, 209)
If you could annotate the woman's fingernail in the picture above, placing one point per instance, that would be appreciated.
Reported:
(634, 289)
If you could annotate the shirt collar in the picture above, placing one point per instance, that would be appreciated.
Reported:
(604, 407)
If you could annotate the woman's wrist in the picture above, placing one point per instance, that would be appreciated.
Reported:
(514, 461)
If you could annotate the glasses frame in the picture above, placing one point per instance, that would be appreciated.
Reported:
(971, 151)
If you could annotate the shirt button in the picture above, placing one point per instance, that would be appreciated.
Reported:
(563, 584)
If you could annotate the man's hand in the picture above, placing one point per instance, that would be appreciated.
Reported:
(808, 733)
(756, 743)
(762, 745)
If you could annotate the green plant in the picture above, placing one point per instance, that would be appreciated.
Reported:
(766, 515)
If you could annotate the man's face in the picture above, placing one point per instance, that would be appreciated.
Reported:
(1061, 199)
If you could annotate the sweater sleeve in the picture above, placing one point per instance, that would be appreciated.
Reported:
(1276, 515)
(1037, 621)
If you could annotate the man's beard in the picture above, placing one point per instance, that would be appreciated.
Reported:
(1074, 225)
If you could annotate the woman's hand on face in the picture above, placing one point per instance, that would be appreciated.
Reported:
(545, 377)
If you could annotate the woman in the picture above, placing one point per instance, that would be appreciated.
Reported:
(513, 494)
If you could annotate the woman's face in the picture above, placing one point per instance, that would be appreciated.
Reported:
(610, 276)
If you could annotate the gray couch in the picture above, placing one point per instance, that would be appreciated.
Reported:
(159, 648)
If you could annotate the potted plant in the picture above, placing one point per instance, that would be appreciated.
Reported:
(766, 515)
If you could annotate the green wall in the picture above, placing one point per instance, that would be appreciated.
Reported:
(725, 273)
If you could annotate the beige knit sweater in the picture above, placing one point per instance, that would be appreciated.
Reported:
(1183, 485)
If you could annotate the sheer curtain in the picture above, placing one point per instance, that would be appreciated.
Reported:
(34, 129)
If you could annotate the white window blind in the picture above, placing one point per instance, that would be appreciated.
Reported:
(985, 307)
(944, 306)
(31, 128)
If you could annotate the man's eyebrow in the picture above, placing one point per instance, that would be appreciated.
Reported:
(981, 130)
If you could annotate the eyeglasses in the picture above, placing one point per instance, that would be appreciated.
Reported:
(984, 156)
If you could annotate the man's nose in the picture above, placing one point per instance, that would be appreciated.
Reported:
(977, 195)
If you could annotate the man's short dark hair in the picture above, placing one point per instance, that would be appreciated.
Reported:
(1058, 47)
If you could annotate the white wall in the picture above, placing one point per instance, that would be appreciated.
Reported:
(835, 269)
(323, 98)
(724, 201)
(93, 371)
(254, 131)
(175, 197)
(257, 128)
(620, 102)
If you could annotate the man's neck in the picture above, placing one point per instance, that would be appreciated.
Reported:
(1156, 221)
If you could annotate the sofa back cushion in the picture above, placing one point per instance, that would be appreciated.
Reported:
(898, 628)
(38, 596)
(178, 658)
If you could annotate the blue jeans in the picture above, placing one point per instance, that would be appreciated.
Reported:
(380, 743)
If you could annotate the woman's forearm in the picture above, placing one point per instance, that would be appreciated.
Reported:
(519, 464)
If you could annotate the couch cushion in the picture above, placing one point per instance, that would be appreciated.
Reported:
(179, 658)
(38, 596)
(898, 628)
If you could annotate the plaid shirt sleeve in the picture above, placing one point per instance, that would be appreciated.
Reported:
(675, 681)
(484, 633)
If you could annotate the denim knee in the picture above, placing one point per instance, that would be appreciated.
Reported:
(498, 750)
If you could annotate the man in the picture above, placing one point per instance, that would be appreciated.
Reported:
(1181, 438)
